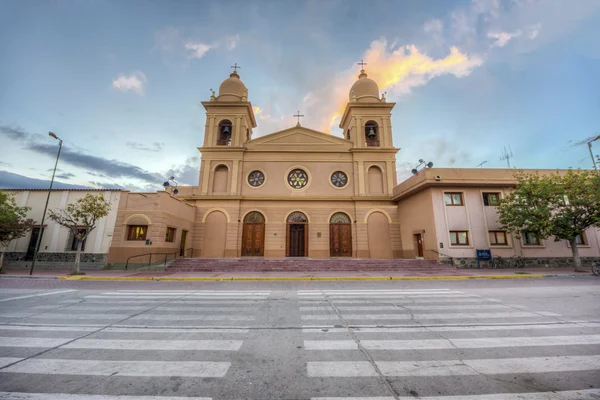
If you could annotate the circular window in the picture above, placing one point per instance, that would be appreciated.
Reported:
(297, 179)
(256, 178)
(339, 179)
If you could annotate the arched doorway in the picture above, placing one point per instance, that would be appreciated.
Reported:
(340, 235)
(215, 235)
(375, 177)
(378, 232)
(253, 235)
(297, 235)
(220, 179)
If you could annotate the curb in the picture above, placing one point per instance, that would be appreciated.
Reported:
(307, 278)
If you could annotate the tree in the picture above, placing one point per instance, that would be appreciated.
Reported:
(14, 223)
(562, 205)
(81, 218)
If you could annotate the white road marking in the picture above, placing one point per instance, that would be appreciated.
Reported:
(516, 314)
(203, 369)
(185, 317)
(466, 328)
(4, 361)
(443, 344)
(65, 396)
(189, 345)
(46, 328)
(37, 295)
(584, 394)
(146, 298)
(16, 315)
(510, 366)
(398, 301)
(176, 330)
(32, 342)
(67, 315)
(411, 307)
(365, 290)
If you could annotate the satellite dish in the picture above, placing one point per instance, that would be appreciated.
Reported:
(414, 171)
(429, 164)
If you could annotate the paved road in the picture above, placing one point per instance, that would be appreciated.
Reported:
(474, 340)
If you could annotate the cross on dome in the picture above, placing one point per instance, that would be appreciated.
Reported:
(362, 65)
(235, 68)
(298, 115)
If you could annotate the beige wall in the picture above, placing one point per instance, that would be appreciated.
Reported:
(415, 214)
(55, 238)
(159, 210)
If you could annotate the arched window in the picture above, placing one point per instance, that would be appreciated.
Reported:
(297, 217)
(372, 133)
(220, 179)
(339, 218)
(225, 131)
(254, 217)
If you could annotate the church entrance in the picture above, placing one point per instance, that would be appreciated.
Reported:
(340, 236)
(297, 235)
(253, 235)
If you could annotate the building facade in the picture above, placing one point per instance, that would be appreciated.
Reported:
(58, 246)
(304, 193)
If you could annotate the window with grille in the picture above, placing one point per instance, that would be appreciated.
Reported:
(137, 232)
(80, 233)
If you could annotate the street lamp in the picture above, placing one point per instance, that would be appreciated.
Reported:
(592, 154)
(39, 238)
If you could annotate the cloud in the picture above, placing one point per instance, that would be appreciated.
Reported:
(396, 69)
(231, 42)
(534, 31)
(14, 133)
(186, 173)
(5, 164)
(502, 38)
(135, 82)
(168, 39)
(199, 50)
(156, 146)
(66, 175)
(9, 180)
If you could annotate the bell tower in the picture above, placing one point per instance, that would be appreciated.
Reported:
(229, 123)
(367, 124)
(367, 118)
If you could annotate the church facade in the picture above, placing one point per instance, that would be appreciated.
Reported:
(293, 193)
(304, 193)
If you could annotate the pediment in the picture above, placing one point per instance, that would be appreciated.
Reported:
(300, 139)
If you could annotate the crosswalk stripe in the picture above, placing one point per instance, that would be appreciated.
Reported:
(390, 295)
(37, 295)
(510, 366)
(377, 293)
(4, 361)
(191, 302)
(175, 330)
(466, 328)
(186, 317)
(398, 301)
(148, 297)
(67, 315)
(46, 328)
(440, 344)
(368, 290)
(190, 345)
(66, 396)
(158, 294)
(32, 342)
(585, 394)
(516, 314)
(202, 369)
(95, 308)
(410, 307)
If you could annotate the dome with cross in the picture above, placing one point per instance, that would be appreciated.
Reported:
(364, 90)
(232, 88)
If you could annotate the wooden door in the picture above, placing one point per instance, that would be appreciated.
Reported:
(297, 240)
(340, 240)
(253, 240)
(419, 243)
(182, 244)
(32, 242)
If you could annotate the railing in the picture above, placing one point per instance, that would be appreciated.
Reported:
(450, 258)
(185, 252)
(150, 258)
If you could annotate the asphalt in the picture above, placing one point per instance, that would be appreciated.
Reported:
(476, 340)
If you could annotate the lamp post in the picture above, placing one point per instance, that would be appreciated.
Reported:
(39, 238)
(592, 154)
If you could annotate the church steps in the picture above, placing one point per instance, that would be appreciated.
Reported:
(308, 265)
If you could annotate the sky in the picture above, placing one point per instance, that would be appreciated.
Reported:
(121, 82)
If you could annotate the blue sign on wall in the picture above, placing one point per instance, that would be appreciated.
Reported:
(484, 254)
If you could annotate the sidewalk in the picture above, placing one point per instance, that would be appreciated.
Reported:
(461, 274)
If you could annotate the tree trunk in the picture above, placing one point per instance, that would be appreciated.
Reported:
(2, 256)
(576, 258)
(77, 257)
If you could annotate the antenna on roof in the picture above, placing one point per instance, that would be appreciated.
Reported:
(480, 164)
(507, 155)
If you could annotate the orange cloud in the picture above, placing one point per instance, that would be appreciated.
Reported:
(397, 71)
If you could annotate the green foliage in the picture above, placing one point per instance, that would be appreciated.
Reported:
(13, 219)
(560, 204)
